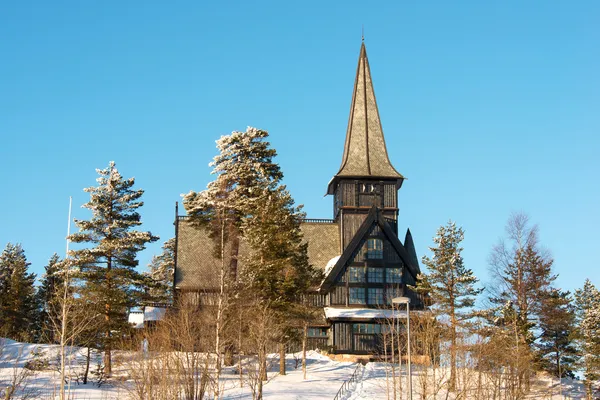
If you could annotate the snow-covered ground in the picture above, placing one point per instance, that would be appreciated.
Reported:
(324, 378)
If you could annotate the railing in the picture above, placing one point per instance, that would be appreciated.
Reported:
(319, 220)
(347, 384)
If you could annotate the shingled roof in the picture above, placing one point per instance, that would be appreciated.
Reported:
(365, 153)
(197, 267)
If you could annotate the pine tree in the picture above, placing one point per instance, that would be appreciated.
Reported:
(161, 271)
(587, 305)
(556, 349)
(107, 267)
(18, 302)
(451, 286)
(247, 200)
(243, 166)
(51, 285)
(522, 278)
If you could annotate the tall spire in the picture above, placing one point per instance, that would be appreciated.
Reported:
(365, 153)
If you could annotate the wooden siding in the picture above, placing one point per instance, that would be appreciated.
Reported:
(351, 224)
(390, 196)
(342, 338)
(339, 296)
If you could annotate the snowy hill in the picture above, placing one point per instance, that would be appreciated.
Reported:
(324, 378)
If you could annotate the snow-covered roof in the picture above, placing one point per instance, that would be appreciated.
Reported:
(136, 318)
(330, 264)
(363, 313)
(150, 313)
(154, 313)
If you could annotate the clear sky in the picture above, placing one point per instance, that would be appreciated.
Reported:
(487, 108)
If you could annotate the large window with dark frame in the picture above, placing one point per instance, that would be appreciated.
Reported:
(391, 292)
(367, 328)
(375, 296)
(356, 274)
(374, 249)
(375, 275)
(357, 295)
(317, 332)
(393, 275)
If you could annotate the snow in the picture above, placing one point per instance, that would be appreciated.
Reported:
(333, 312)
(150, 313)
(136, 318)
(330, 264)
(324, 378)
(154, 313)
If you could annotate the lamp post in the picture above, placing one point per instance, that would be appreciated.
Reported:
(406, 300)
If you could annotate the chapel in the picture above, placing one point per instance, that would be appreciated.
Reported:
(365, 264)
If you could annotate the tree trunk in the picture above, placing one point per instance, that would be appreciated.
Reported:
(87, 366)
(263, 363)
(281, 359)
(304, 339)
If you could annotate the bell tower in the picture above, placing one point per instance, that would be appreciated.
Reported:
(366, 177)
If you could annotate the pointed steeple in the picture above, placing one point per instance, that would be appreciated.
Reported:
(365, 153)
(409, 245)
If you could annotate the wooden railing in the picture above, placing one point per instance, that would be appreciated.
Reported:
(318, 220)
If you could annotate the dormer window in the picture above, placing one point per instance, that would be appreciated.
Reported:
(374, 249)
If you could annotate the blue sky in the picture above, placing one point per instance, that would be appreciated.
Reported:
(487, 108)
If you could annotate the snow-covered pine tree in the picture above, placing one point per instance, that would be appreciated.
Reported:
(107, 265)
(244, 165)
(161, 270)
(451, 286)
(587, 305)
(51, 286)
(19, 308)
(556, 349)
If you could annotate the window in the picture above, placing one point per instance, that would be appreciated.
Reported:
(367, 188)
(357, 295)
(375, 275)
(391, 292)
(367, 328)
(375, 295)
(393, 275)
(375, 248)
(317, 332)
(356, 274)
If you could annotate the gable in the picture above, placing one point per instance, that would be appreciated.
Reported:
(374, 219)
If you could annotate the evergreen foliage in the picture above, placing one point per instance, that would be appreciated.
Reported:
(107, 265)
(19, 307)
(556, 348)
(51, 285)
(523, 274)
(450, 285)
(587, 305)
(161, 271)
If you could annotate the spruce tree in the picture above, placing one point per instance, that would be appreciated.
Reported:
(451, 286)
(107, 265)
(523, 277)
(556, 348)
(51, 286)
(160, 272)
(18, 303)
(587, 305)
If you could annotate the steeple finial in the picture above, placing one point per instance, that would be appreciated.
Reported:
(365, 153)
(363, 33)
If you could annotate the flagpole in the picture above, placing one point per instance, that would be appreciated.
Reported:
(69, 226)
